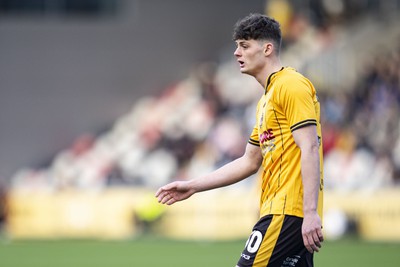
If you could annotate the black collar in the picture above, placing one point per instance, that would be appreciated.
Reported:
(270, 77)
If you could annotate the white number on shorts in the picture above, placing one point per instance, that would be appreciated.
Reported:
(254, 241)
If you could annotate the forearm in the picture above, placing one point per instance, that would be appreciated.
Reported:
(310, 171)
(228, 174)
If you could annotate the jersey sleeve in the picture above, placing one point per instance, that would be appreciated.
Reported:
(297, 101)
(253, 139)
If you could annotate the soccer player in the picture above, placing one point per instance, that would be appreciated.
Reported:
(286, 143)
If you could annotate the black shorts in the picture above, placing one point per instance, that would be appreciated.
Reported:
(276, 241)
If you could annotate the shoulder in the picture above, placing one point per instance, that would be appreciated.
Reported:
(292, 82)
(291, 77)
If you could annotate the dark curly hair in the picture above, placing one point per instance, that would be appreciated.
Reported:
(258, 27)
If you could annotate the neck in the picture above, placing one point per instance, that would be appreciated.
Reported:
(269, 68)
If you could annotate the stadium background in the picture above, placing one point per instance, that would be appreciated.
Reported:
(103, 101)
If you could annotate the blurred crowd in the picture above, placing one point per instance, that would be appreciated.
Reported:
(204, 121)
(192, 127)
(362, 129)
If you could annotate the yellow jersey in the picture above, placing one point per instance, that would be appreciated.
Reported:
(289, 103)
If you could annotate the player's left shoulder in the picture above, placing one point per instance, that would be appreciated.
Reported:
(292, 75)
(295, 82)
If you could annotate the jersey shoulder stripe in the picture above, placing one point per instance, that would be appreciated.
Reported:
(303, 124)
(254, 142)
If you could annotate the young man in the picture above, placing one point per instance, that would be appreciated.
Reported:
(286, 142)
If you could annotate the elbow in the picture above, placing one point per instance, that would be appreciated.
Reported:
(250, 167)
(315, 148)
(312, 148)
(254, 167)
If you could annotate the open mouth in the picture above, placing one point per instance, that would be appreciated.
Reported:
(241, 63)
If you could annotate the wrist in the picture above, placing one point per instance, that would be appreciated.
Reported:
(195, 185)
(309, 211)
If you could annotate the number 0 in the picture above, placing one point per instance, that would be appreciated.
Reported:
(254, 241)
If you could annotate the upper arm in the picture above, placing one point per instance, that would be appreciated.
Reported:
(306, 137)
(253, 156)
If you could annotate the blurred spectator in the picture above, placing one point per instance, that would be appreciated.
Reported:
(203, 121)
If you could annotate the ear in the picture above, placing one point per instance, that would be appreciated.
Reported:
(268, 48)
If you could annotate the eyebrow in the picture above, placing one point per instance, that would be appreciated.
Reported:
(241, 42)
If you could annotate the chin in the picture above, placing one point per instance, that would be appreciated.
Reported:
(244, 71)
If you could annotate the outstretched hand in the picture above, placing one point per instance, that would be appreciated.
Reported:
(173, 192)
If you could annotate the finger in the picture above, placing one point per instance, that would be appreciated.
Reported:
(320, 235)
(158, 192)
(165, 188)
(307, 244)
(315, 237)
(162, 189)
(166, 198)
(311, 241)
(163, 197)
(170, 201)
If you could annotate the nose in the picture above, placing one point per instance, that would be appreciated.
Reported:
(237, 52)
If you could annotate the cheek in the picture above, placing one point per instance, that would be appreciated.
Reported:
(258, 61)
(252, 59)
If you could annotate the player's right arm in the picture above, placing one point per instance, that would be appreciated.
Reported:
(228, 174)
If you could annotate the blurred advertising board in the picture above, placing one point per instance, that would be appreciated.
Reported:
(73, 214)
(375, 214)
(114, 214)
(216, 215)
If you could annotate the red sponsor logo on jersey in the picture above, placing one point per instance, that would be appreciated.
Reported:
(266, 136)
(267, 141)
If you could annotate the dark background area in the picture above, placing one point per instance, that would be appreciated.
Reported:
(70, 70)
